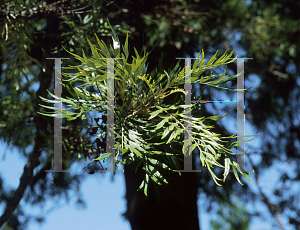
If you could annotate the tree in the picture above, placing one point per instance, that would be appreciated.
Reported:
(147, 129)
(28, 47)
(39, 51)
(268, 33)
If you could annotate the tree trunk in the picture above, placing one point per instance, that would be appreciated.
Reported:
(174, 208)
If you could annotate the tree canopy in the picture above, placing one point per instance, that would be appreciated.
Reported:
(141, 101)
(267, 31)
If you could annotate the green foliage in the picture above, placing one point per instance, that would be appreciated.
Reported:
(231, 216)
(143, 113)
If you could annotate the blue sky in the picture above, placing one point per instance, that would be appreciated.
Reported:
(104, 201)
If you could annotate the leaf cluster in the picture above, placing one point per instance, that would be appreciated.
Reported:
(143, 114)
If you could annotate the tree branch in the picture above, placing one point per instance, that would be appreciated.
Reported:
(41, 126)
(45, 9)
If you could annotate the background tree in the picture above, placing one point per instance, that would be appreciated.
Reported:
(264, 30)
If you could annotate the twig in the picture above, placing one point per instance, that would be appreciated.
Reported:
(99, 91)
(6, 28)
